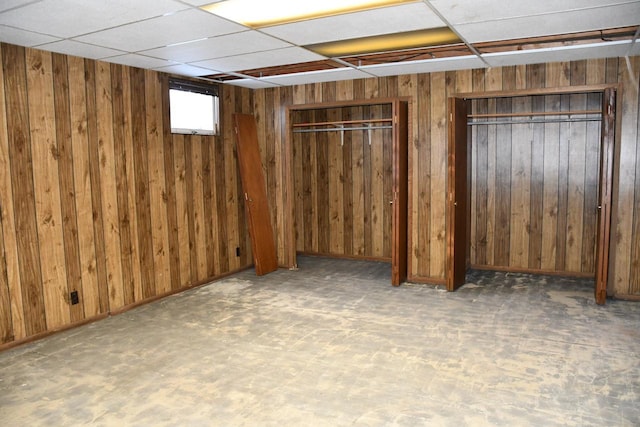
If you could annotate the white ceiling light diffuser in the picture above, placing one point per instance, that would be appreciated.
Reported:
(261, 13)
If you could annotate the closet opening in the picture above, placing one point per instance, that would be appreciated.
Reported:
(529, 183)
(347, 181)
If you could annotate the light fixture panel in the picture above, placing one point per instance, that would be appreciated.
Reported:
(385, 43)
(260, 13)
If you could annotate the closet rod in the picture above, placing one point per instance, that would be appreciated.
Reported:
(340, 122)
(525, 122)
(535, 113)
(339, 129)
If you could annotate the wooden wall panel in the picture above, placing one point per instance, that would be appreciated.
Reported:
(342, 184)
(530, 188)
(108, 186)
(157, 184)
(547, 229)
(626, 275)
(109, 124)
(82, 191)
(22, 183)
(97, 196)
(11, 318)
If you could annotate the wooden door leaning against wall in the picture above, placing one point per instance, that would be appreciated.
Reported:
(255, 194)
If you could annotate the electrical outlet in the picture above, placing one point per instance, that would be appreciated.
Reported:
(237, 251)
(74, 298)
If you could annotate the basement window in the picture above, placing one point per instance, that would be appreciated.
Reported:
(194, 108)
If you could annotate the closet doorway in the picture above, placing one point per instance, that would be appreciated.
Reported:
(347, 181)
(529, 182)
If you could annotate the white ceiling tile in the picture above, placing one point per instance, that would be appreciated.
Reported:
(268, 58)
(10, 4)
(217, 47)
(317, 76)
(186, 70)
(177, 27)
(69, 18)
(413, 16)
(468, 11)
(251, 83)
(84, 50)
(425, 66)
(557, 23)
(564, 53)
(23, 38)
(138, 61)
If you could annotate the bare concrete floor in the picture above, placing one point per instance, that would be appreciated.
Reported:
(334, 344)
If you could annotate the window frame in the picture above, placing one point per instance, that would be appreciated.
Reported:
(202, 88)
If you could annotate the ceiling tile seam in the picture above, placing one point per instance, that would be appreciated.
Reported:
(20, 6)
(355, 67)
(102, 29)
(452, 28)
(285, 41)
(32, 32)
(115, 27)
(211, 38)
(246, 76)
(241, 55)
(122, 52)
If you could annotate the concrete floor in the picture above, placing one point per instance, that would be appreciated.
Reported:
(334, 344)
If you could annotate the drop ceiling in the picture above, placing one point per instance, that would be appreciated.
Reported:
(178, 37)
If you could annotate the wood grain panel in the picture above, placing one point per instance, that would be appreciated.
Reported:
(91, 188)
(170, 188)
(67, 191)
(157, 184)
(224, 250)
(422, 175)
(17, 110)
(82, 188)
(438, 170)
(109, 198)
(8, 224)
(208, 196)
(122, 184)
(182, 231)
(119, 94)
(130, 218)
(142, 191)
(96, 193)
(542, 212)
(198, 206)
(7, 255)
(520, 186)
(624, 235)
(541, 191)
(236, 221)
(335, 190)
(190, 174)
(343, 189)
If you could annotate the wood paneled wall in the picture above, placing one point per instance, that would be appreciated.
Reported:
(97, 196)
(427, 163)
(534, 193)
(343, 184)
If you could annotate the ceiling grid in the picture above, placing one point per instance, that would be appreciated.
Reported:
(181, 37)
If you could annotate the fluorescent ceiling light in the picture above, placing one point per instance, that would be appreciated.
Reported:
(263, 13)
(385, 43)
